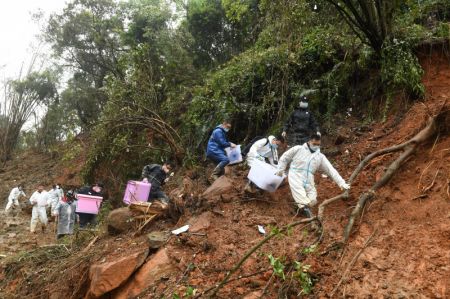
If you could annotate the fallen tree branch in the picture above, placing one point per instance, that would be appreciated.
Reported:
(216, 288)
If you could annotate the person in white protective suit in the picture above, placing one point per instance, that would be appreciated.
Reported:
(55, 195)
(304, 161)
(39, 200)
(14, 196)
(264, 150)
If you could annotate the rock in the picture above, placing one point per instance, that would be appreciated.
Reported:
(108, 276)
(200, 223)
(157, 267)
(157, 239)
(119, 221)
(220, 186)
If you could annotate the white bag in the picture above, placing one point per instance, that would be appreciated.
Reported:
(263, 175)
(234, 154)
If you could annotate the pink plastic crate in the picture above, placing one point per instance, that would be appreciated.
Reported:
(88, 204)
(136, 191)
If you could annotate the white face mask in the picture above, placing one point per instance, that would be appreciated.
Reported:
(303, 105)
(314, 148)
(274, 145)
(226, 129)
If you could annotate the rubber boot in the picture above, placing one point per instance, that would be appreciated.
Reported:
(249, 188)
(307, 212)
(302, 211)
(217, 173)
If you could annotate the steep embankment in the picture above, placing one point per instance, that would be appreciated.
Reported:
(407, 225)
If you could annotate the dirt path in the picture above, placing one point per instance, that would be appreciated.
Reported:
(30, 169)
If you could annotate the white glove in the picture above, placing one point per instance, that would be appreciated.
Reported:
(279, 173)
(145, 180)
(232, 145)
(345, 186)
(318, 133)
(284, 134)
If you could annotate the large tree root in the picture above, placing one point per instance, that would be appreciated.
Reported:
(408, 149)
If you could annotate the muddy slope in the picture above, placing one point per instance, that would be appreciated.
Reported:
(408, 223)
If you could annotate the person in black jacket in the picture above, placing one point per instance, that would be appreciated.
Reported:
(300, 125)
(157, 176)
(94, 190)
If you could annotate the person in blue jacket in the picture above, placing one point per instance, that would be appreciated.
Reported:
(217, 144)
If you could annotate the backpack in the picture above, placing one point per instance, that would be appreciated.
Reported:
(246, 149)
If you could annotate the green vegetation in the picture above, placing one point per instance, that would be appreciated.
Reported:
(149, 79)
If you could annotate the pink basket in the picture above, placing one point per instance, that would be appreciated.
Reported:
(136, 191)
(88, 204)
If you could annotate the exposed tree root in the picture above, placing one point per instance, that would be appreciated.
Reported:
(407, 148)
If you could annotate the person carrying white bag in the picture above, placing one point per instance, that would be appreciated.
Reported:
(264, 150)
(304, 161)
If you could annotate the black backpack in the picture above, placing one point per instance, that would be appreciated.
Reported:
(246, 149)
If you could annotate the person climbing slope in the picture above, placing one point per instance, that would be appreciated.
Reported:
(13, 198)
(217, 144)
(300, 125)
(304, 161)
(157, 176)
(264, 150)
(39, 200)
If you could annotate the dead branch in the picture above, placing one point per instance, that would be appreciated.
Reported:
(352, 262)
(267, 285)
(428, 188)
(420, 196)
(421, 175)
(216, 288)
(86, 249)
